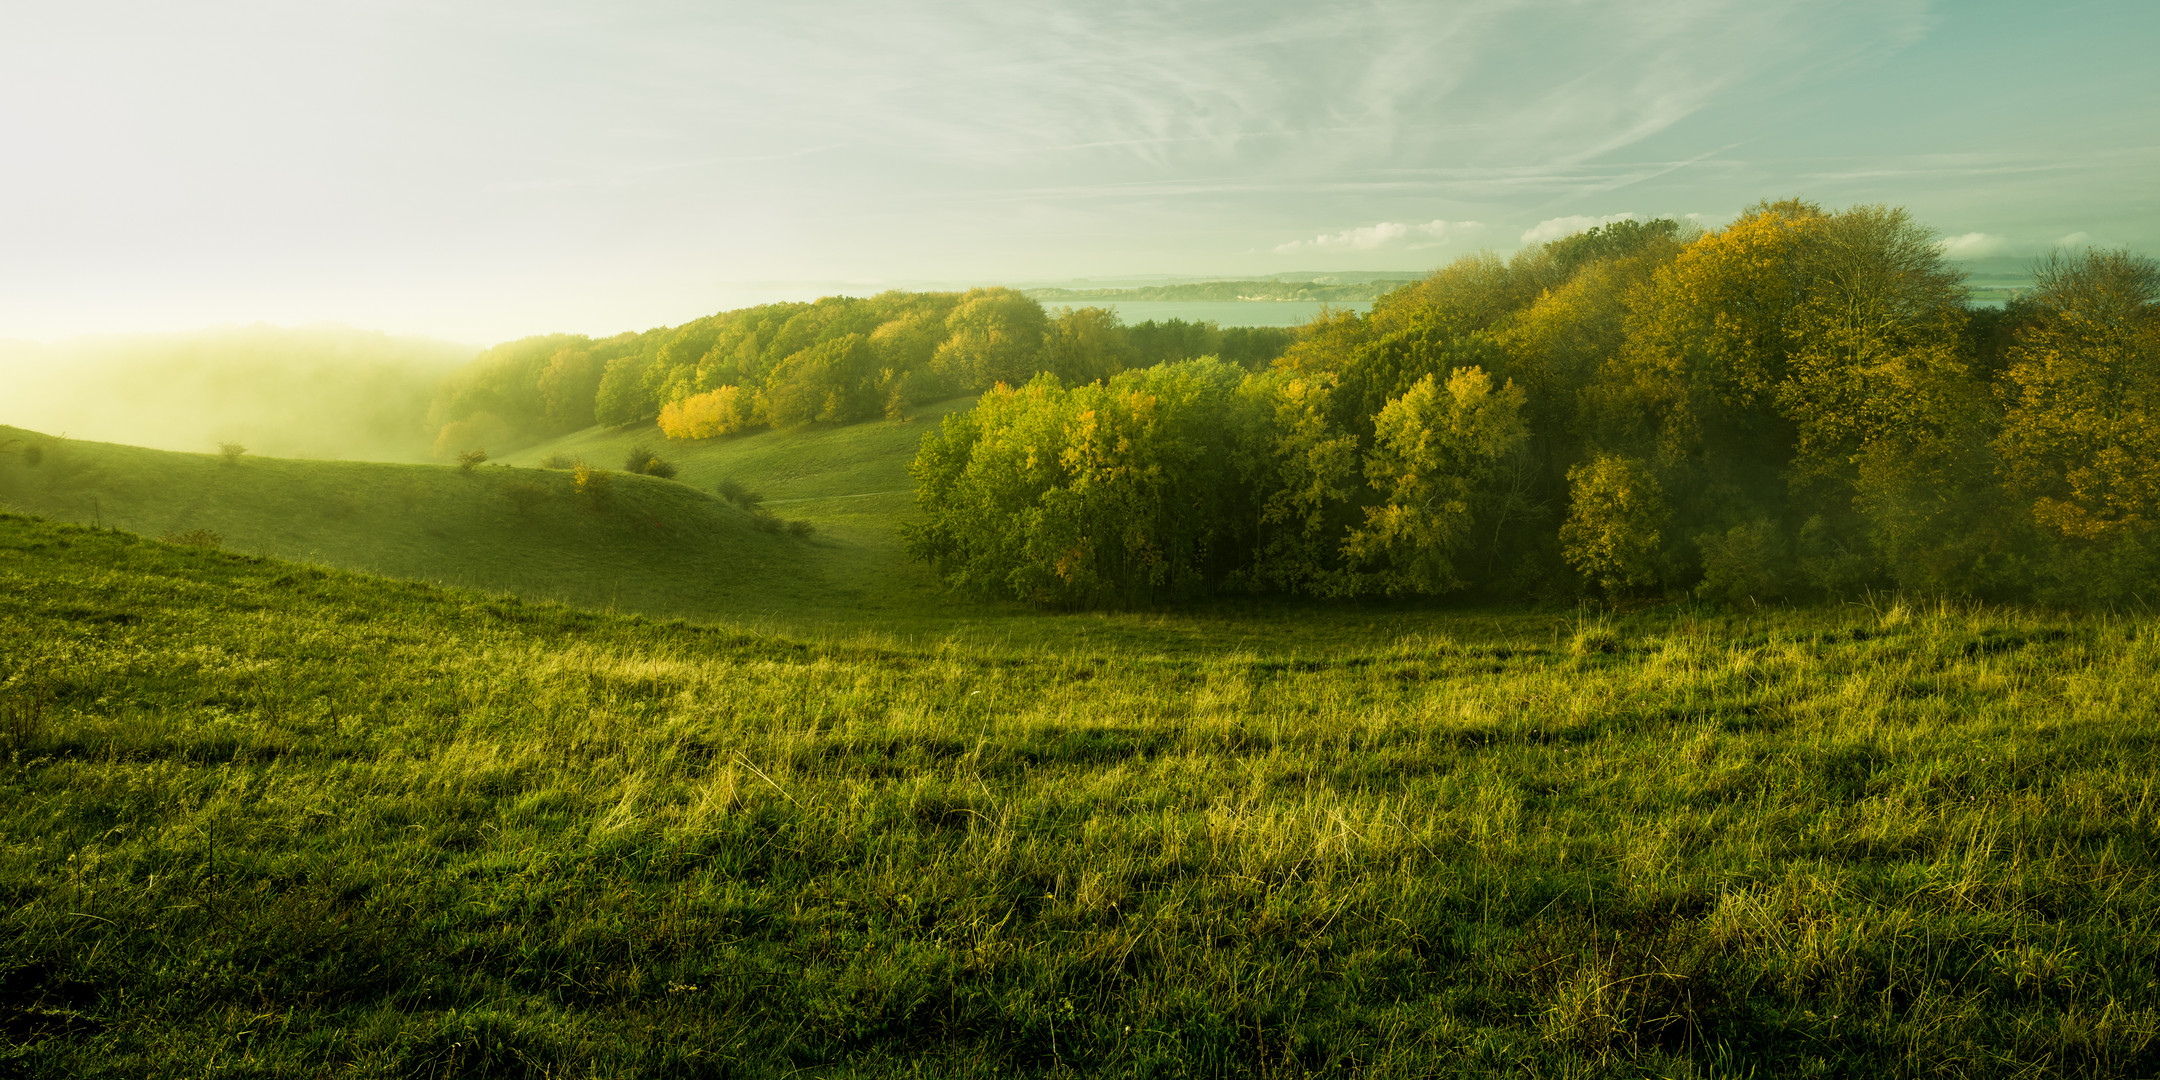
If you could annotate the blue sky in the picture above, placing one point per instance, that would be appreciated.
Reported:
(485, 170)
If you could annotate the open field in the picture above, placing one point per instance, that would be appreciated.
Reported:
(265, 819)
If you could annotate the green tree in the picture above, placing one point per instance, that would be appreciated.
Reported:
(1437, 450)
(2081, 441)
(1617, 518)
(993, 336)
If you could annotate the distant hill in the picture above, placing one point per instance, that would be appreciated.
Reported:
(1346, 292)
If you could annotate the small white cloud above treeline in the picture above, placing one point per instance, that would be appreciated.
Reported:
(1972, 245)
(1386, 234)
(1551, 229)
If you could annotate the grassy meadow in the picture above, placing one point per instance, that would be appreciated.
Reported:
(267, 819)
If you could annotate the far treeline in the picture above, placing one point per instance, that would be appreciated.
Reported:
(1803, 404)
(839, 360)
(1329, 292)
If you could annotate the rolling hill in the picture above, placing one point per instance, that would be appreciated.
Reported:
(649, 546)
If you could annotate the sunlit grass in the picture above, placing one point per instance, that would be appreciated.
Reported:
(269, 820)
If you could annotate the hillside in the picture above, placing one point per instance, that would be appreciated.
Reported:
(650, 546)
(261, 819)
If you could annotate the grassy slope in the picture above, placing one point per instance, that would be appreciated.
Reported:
(270, 820)
(651, 547)
(850, 482)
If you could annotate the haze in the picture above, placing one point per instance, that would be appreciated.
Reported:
(480, 171)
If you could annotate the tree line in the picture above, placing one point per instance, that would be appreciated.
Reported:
(837, 360)
(1801, 404)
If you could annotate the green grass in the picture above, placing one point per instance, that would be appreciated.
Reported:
(263, 819)
(649, 546)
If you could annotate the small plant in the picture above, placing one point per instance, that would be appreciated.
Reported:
(558, 461)
(591, 483)
(232, 452)
(800, 528)
(643, 462)
(471, 459)
(1594, 641)
(1593, 638)
(202, 538)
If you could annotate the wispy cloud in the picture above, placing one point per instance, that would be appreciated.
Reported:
(1552, 229)
(1385, 234)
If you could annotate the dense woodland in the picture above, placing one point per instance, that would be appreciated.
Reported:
(1801, 404)
(838, 360)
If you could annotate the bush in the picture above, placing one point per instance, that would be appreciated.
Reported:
(558, 461)
(734, 492)
(591, 483)
(231, 452)
(471, 459)
(643, 462)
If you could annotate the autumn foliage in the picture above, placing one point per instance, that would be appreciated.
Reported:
(1802, 404)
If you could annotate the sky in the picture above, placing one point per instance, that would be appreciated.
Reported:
(479, 171)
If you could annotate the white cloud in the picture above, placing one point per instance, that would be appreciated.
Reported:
(1385, 234)
(1552, 229)
(1971, 245)
(2080, 238)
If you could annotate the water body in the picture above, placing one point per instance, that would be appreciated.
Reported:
(1219, 312)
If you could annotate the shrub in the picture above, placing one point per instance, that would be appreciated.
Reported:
(558, 461)
(470, 459)
(800, 528)
(591, 483)
(643, 462)
(202, 538)
(734, 492)
(231, 452)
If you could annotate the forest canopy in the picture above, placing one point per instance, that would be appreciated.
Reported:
(1801, 404)
(837, 360)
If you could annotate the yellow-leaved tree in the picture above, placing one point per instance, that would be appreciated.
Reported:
(2081, 436)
